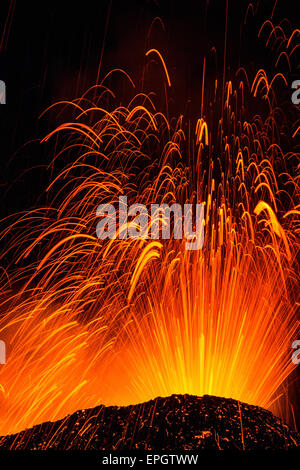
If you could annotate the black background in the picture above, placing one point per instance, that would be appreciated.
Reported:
(51, 51)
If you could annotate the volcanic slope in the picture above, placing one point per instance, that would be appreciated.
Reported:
(178, 422)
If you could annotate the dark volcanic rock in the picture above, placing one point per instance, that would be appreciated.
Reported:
(179, 422)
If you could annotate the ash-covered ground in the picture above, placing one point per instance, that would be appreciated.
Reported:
(179, 422)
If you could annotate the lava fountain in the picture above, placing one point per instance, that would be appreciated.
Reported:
(121, 321)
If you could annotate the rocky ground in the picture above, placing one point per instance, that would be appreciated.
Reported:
(178, 422)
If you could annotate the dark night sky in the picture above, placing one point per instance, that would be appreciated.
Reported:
(53, 50)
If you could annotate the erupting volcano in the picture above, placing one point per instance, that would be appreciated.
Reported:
(91, 322)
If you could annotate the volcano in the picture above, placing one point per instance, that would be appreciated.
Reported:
(178, 422)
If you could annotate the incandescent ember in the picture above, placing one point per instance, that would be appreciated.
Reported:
(178, 422)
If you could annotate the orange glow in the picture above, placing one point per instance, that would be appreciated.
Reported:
(91, 322)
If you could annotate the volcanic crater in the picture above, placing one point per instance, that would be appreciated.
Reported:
(178, 422)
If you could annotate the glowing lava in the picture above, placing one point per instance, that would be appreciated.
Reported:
(122, 321)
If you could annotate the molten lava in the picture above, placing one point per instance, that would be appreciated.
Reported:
(91, 321)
